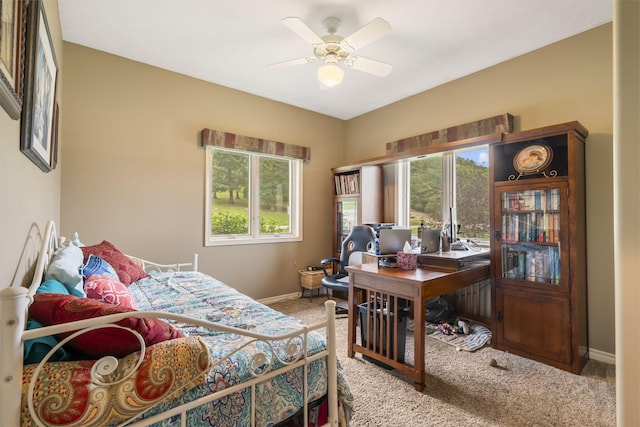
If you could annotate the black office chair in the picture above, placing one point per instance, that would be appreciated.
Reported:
(355, 242)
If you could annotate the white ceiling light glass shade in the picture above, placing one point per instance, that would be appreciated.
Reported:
(330, 75)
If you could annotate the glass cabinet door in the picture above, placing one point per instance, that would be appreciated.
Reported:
(347, 211)
(531, 236)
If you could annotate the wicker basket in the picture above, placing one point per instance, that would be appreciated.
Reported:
(312, 279)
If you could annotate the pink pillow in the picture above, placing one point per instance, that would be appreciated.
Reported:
(54, 309)
(128, 271)
(107, 289)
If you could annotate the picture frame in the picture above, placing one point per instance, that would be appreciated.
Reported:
(12, 40)
(54, 137)
(41, 73)
(532, 159)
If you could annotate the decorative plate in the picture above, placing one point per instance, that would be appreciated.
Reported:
(533, 159)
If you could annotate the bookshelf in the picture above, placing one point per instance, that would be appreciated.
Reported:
(357, 199)
(538, 253)
(347, 184)
(530, 222)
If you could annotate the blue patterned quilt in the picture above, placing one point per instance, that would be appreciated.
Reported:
(201, 296)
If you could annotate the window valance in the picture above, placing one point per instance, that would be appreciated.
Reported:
(217, 138)
(502, 123)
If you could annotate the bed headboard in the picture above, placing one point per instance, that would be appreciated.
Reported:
(50, 244)
(14, 303)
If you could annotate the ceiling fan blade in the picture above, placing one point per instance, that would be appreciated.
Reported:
(367, 65)
(365, 35)
(285, 64)
(300, 28)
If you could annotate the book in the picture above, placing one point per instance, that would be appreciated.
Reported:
(541, 273)
(530, 257)
(521, 265)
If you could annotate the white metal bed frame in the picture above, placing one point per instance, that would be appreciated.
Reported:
(14, 303)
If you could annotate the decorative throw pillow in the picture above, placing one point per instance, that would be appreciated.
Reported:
(128, 271)
(52, 286)
(54, 309)
(64, 267)
(107, 289)
(96, 265)
(37, 348)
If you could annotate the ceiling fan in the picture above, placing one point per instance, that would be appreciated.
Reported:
(333, 49)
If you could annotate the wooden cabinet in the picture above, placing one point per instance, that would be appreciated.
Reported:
(538, 247)
(357, 199)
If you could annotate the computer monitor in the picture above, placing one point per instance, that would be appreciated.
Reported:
(392, 240)
(430, 241)
(379, 226)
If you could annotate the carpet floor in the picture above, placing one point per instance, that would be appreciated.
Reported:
(463, 389)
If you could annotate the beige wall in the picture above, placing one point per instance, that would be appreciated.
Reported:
(29, 196)
(134, 174)
(570, 80)
(626, 191)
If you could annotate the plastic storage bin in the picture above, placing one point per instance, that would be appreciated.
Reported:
(365, 335)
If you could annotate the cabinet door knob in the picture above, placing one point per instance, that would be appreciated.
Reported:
(499, 316)
(497, 235)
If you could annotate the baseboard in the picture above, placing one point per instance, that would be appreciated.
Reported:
(280, 298)
(602, 356)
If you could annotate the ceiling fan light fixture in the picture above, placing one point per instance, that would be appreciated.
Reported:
(332, 49)
(330, 75)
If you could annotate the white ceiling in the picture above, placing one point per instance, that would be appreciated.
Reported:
(231, 42)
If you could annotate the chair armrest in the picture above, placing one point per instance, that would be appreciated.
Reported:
(326, 261)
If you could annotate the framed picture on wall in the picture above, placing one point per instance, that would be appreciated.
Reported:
(11, 54)
(41, 71)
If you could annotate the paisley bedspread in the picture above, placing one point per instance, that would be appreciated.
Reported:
(201, 296)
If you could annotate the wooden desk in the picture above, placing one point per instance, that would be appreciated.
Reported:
(389, 286)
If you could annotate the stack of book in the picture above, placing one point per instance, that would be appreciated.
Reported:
(532, 264)
(347, 184)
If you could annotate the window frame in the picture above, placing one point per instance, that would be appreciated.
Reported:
(449, 186)
(254, 236)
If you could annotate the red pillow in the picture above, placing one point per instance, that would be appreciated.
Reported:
(107, 289)
(53, 309)
(128, 271)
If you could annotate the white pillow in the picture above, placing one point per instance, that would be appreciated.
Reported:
(75, 240)
(64, 267)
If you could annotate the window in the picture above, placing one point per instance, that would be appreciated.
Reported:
(425, 192)
(251, 198)
(472, 193)
(449, 185)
